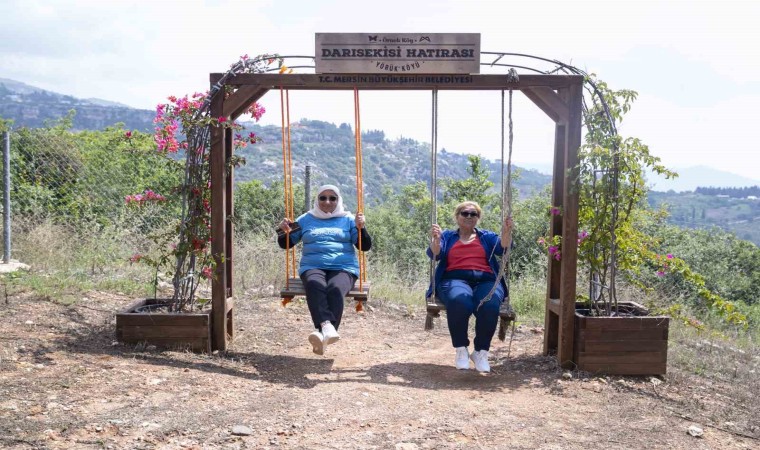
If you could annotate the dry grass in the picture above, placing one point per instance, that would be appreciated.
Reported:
(725, 366)
(64, 262)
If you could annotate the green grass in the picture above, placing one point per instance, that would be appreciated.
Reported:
(528, 297)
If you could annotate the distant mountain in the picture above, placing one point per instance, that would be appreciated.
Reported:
(31, 106)
(691, 178)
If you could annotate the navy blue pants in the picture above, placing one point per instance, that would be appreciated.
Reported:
(325, 291)
(461, 291)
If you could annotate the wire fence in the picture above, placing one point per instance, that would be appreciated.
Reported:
(89, 185)
(100, 201)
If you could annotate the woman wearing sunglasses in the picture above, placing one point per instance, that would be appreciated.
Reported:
(467, 270)
(329, 265)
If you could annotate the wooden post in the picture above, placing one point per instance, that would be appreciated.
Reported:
(218, 226)
(551, 315)
(229, 211)
(569, 262)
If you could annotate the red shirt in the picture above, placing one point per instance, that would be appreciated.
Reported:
(470, 256)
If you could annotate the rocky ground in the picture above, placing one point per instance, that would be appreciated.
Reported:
(65, 383)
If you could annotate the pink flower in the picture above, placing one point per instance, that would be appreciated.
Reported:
(128, 134)
(660, 273)
(145, 196)
(135, 258)
(554, 211)
(669, 256)
(557, 256)
(206, 273)
(222, 119)
(541, 241)
(256, 111)
(553, 249)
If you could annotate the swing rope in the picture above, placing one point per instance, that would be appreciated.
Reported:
(287, 167)
(359, 187)
(433, 185)
(290, 182)
(359, 191)
(506, 211)
(430, 300)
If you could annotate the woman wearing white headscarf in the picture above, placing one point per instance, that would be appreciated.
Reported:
(329, 266)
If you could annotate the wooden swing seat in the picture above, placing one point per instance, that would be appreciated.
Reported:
(295, 288)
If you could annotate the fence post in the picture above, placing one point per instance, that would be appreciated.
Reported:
(307, 188)
(6, 197)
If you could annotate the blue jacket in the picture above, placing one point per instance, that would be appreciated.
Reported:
(491, 244)
(328, 244)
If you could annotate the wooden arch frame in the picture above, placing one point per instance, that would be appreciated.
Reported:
(559, 96)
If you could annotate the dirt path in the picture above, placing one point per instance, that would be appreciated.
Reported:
(64, 383)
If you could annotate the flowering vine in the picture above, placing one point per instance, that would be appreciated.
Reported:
(182, 127)
(553, 244)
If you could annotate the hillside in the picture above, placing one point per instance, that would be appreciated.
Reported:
(32, 107)
(327, 148)
(330, 151)
(740, 216)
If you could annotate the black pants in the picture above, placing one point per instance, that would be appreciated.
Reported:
(325, 291)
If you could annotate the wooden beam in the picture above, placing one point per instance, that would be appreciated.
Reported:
(218, 227)
(253, 98)
(569, 262)
(240, 100)
(549, 102)
(398, 81)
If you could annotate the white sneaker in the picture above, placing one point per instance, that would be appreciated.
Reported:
(330, 334)
(462, 358)
(480, 358)
(315, 339)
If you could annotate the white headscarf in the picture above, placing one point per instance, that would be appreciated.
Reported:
(337, 212)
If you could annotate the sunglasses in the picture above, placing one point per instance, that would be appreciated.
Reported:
(324, 198)
(469, 214)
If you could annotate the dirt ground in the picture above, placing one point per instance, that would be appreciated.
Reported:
(65, 383)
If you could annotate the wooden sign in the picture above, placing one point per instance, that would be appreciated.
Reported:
(398, 53)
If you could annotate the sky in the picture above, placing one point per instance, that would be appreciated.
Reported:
(694, 63)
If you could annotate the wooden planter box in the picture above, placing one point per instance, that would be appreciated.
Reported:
(634, 345)
(176, 330)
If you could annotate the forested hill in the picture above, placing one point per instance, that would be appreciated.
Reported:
(732, 192)
(711, 207)
(330, 151)
(327, 148)
(32, 107)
